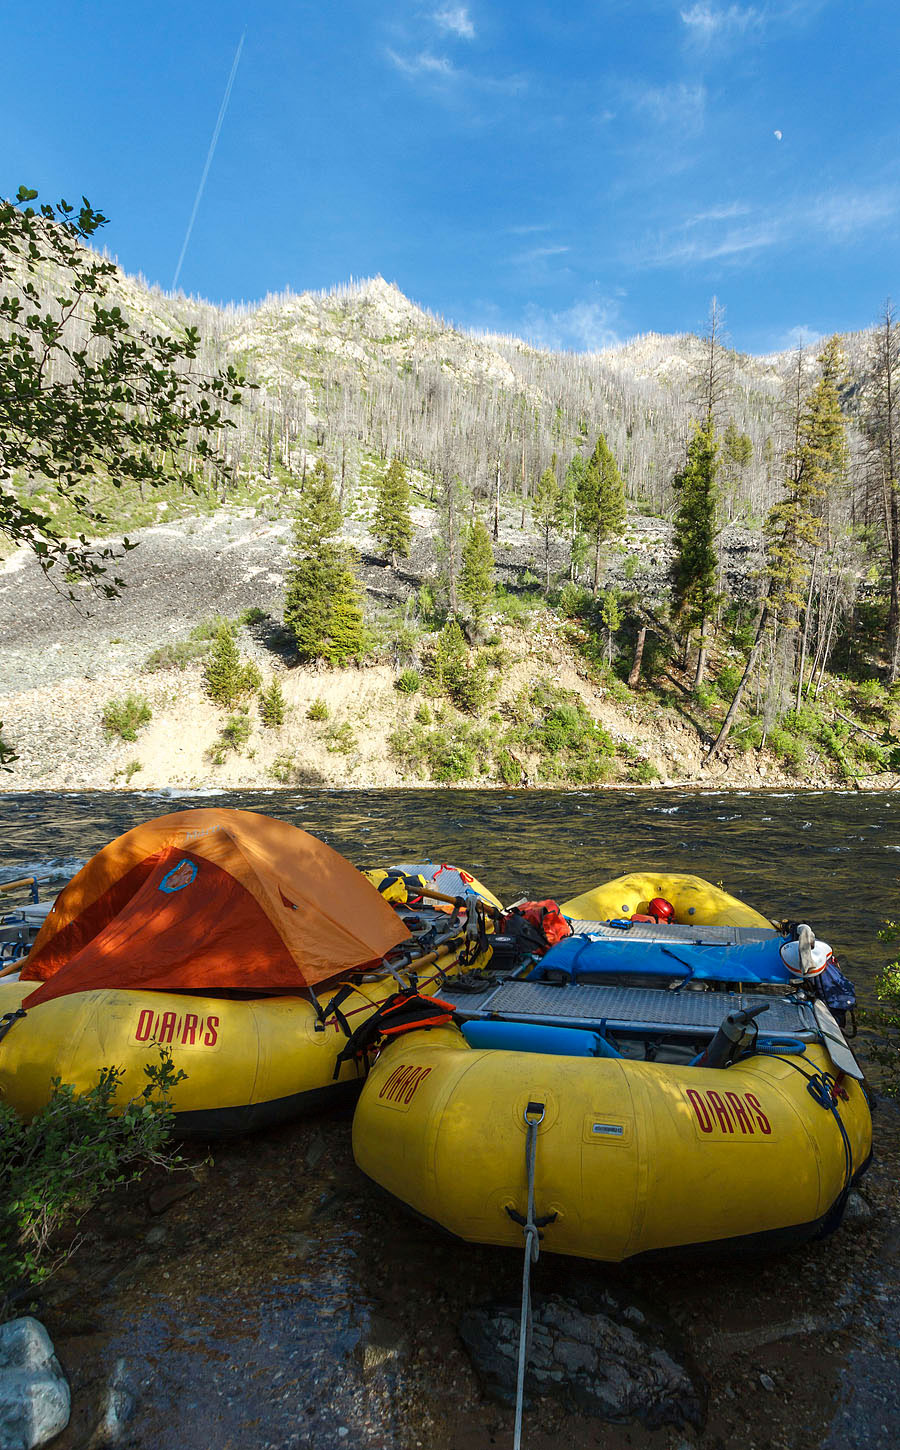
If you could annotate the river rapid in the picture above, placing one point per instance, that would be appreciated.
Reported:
(272, 1299)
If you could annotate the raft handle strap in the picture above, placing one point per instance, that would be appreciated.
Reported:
(8, 1018)
(534, 1116)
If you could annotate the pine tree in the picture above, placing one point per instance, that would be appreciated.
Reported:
(695, 571)
(322, 605)
(547, 512)
(392, 526)
(476, 583)
(737, 455)
(318, 513)
(882, 429)
(226, 677)
(601, 500)
(346, 633)
(272, 705)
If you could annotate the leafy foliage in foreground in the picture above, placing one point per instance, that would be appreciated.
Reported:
(884, 1021)
(85, 397)
(75, 1150)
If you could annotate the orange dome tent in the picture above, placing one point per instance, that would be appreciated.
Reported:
(211, 900)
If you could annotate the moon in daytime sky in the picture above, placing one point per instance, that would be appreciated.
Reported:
(777, 135)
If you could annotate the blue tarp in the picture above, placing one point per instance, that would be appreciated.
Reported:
(750, 962)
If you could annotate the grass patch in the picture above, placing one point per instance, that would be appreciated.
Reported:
(124, 718)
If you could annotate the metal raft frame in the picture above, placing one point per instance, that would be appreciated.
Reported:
(640, 1010)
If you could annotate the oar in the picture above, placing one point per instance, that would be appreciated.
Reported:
(454, 900)
(17, 885)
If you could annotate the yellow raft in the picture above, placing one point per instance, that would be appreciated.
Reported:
(249, 1061)
(632, 1156)
(695, 900)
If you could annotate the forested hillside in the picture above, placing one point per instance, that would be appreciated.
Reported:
(720, 532)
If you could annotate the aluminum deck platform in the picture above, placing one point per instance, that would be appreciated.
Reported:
(630, 1009)
(644, 931)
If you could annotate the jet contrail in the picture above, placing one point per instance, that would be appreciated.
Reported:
(209, 156)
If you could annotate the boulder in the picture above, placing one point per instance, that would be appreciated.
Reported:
(590, 1360)
(34, 1395)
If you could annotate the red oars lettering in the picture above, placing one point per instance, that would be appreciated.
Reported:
(728, 1113)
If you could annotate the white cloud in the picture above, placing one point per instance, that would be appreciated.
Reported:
(720, 234)
(527, 228)
(800, 336)
(539, 254)
(845, 215)
(440, 71)
(587, 326)
(709, 24)
(454, 20)
(709, 247)
(718, 214)
(425, 64)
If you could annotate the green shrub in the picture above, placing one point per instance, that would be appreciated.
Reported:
(883, 1023)
(175, 656)
(236, 732)
(518, 606)
(447, 753)
(555, 725)
(341, 739)
(254, 615)
(461, 675)
(126, 717)
(423, 714)
(408, 682)
(272, 705)
(128, 771)
(283, 768)
(791, 749)
(76, 1149)
(728, 679)
(210, 629)
(573, 600)
(508, 768)
(318, 710)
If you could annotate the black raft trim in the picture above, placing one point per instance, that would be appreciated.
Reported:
(768, 1241)
(251, 1117)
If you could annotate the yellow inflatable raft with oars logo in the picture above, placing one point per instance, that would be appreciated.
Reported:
(247, 949)
(650, 1083)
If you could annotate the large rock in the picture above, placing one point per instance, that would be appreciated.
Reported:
(34, 1395)
(591, 1361)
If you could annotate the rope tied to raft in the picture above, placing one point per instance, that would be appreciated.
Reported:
(8, 1018)
(534, 1116)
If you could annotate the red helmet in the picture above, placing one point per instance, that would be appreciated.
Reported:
(663, 910)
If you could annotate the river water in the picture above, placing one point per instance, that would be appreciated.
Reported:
(831, 858)
(283, 1304)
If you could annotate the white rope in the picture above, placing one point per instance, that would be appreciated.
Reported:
(532, 1251)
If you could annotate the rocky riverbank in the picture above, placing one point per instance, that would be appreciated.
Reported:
(62, 663)
(271, 1300)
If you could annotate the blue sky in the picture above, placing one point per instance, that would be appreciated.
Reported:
(575, 173)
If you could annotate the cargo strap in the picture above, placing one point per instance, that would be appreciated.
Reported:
(531, 1226)
(403, 1012)
(7, 1020)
